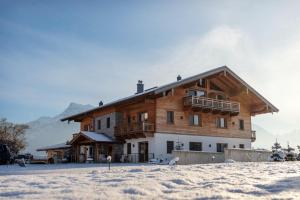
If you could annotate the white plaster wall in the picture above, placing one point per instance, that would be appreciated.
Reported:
(158, 143)
(108, 131)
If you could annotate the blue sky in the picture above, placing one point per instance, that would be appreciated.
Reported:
(56, 52)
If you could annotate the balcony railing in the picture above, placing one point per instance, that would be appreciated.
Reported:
(253, 136)
(134, 129)
(213, 105)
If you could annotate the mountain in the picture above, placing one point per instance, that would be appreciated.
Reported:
(47, 131)
(265, 139)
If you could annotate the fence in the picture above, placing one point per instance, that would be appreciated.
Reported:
(239, 155)
(247, 155)
(198, 157)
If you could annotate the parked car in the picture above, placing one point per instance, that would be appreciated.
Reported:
(5, 155)
(27, 158)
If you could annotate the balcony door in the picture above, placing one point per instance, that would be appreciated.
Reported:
(143, 117)
(197, 93)
(143, 151)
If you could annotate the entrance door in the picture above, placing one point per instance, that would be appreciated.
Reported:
(143, 151)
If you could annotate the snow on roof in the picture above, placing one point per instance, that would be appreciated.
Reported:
(98, 137)
(56, 146)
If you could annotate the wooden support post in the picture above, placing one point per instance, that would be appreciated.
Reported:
(207, 87)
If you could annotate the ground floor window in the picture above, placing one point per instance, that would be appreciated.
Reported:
(241, 146)
(221, 147)
(170, 146)
(195, 146)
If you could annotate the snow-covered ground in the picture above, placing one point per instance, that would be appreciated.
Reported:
(209, 181)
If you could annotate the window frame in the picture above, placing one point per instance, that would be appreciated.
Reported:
(85, 127)
(194, 145)
(108, 122)
(169, 151)
(241, 124)
(242, 146)
(218, 122)
(99, 125)
(192, 119)
(172, 117)
(222, 147)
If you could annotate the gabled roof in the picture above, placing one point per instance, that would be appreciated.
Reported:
(54, 147)
(93, 136)
(163, 88)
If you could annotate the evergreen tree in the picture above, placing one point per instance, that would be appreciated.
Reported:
(276, 146)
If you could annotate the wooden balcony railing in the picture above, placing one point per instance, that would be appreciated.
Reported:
(253, 136)
(214, 105)
(134, 129)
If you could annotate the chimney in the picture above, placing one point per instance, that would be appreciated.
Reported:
(140, 87)
(100, 103)
(178, 78)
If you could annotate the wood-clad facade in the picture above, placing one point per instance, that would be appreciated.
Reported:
(213, 108)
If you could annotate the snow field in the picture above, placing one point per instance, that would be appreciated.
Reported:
(206, 181)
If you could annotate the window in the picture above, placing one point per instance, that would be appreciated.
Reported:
(129, 119)
(215, 87)
(170, 117)
(221, 122)
(241, 124)
(86, 127)
(241, 146)
(221, 147)
(195, 146)
(99, 124)
(108, 122)
(195, 120)
(170, 146)
(128, 148)
(198, 93)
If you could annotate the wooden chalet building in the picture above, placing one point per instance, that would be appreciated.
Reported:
(206, 112)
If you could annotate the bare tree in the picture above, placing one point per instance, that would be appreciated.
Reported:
(13, 135)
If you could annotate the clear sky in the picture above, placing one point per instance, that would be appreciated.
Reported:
(56, 52)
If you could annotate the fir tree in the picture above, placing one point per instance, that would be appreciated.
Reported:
(276, 146)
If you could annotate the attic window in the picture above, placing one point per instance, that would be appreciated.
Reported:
(215, 87)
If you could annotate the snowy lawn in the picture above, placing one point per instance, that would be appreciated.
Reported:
(209, 181)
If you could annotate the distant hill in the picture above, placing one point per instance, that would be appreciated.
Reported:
(47, 131)
(265, 139)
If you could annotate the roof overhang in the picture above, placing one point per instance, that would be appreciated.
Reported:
(225, 70)
(54, 147)
(93, 137)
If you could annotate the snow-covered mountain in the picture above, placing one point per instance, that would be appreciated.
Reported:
(46, 131)
(265, 139)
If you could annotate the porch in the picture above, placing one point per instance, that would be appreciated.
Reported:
(92, 147)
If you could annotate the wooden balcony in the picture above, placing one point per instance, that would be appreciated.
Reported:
(134, 130)
(212, 105)
(253, 136)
